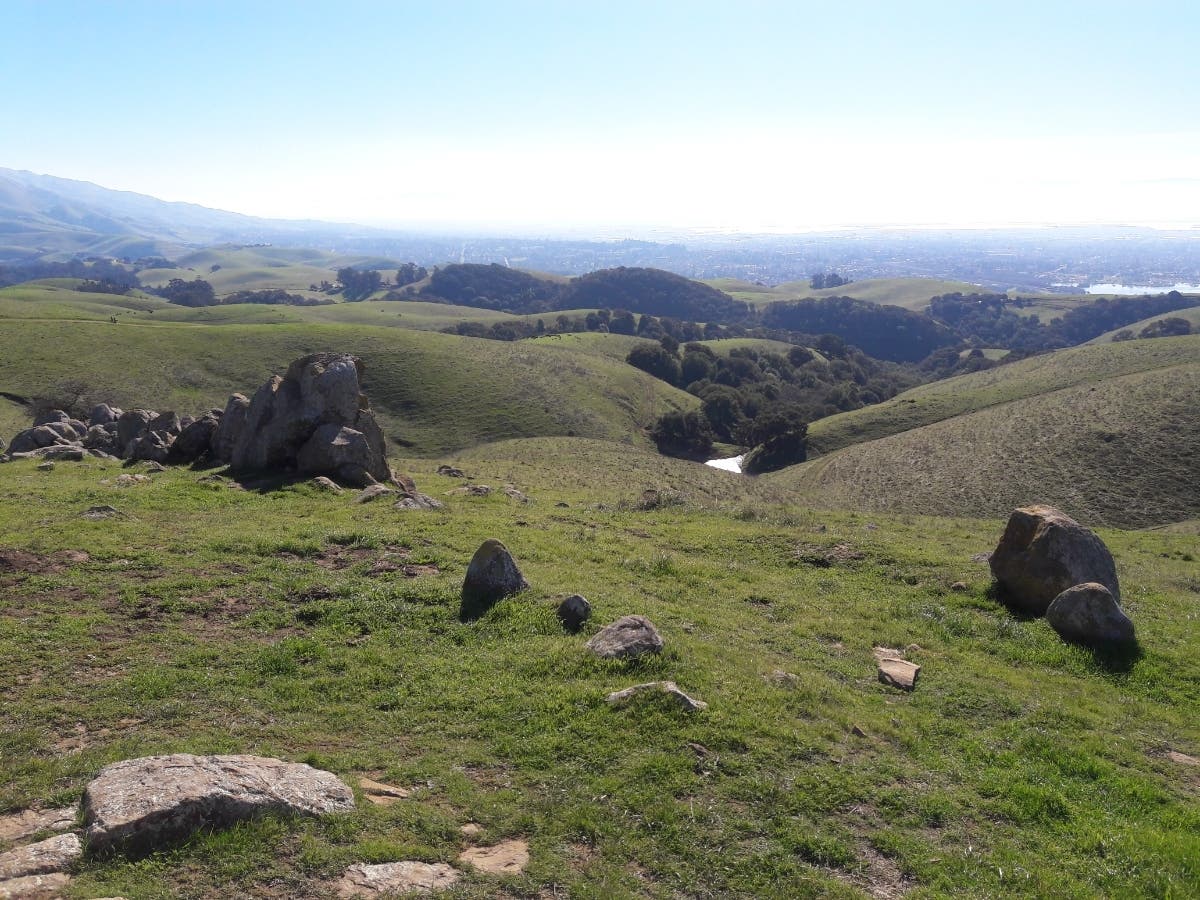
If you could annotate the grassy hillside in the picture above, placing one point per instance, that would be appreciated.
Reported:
(1015, 381)
(207, 619)
(1119, 451)
(1191, 315)
(434, 392)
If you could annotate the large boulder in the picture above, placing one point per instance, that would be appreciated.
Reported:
(168, 422)
(229, 432)
(194, 441)
(46, 417)
(315, 419)
(1089, 614)
(102, 414)
(142, 804)
(1043, 552)
(130, 426)
(101, 437)
(630, 637)
(35, 438)
(154, 446)
(491, 576)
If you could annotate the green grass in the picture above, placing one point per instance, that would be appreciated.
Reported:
(1192, 316)
(910, 293)
(433, 392)
(209, 619)
(1118, 450)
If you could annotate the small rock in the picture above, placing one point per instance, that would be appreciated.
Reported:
(471, 490)
(778, 676)
(363, 880)
(382, 794)
(491, 575)
(450, 472)
(1089, 614)
(506, 858)
(34, 887)
(471, 829)
(46, 467)
(199, 792)
(858, 731)
(373, 492)
(418, 500)
(154, 467)
(101, 512)
(51, 855)
(66, 453)
(1182, 758)
(126, 480)
(669, 688)
(960, 587)
(513, 494)
(899, 673)
(627, 638)
(881, 653)
(20, 825)
(573, 612)
(562, 504)
(326, 484)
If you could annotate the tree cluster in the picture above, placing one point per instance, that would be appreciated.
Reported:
(188, 293)
(884, 332)
(359, 284)
(820, 280)
(276, 297)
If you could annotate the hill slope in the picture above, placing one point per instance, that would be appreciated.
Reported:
(1118, 449)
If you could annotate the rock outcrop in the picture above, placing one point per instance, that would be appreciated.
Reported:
(573, 612)
(1089, 614)
(1043, 552)
(405, 877)
(491, 576)
(629, 637)
(142, 804)
(668, 688)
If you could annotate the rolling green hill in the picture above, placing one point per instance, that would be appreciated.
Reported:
(1111, 436)
(910, 293)
(1192, 316)
(434, 392)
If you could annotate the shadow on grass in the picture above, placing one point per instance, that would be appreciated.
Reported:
(1118, 659)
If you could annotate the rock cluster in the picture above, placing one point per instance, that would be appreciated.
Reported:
(1047, 564)
(314, 420)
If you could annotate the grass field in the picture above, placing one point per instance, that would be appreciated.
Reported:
(1192, 316)
(208, 619)
(910, 293)
(433, 392)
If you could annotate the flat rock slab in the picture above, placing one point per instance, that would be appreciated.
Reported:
(51, 855)
(406, 877)
(34, 887)
(20, 825)
(506, 858)
(142, 804)
(627, 638)
(382, 794)
(898, 673)
(670, 688)
(1182, 758)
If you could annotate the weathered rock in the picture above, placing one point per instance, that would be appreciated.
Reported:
(373, 492)
(167, 421)
(406, 877)
(102, 414)
(63, 453)
(897, 672)
(154, 446)
(505, 858)
(573, 612)
(511, 492)
(417, 500)
(491, 575)
(142, 804)
(194, 441)
(101, 512)
(450, 471)
(131, 425)
(46, 467)
(229, 432)
(1043, 552)
(315, 419)
(48, 416)
(382, 794)
(51, 855)
(627, 638)
(326, 484)
(66, 431)
(127, 480)
(670, 688)
(34, 887)
(470, 829)
(28, 822)
(470, 490)
(34, 439)
(100, 437)
(1088, 614)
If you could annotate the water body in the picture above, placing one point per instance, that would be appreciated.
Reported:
(729, 463)
(1139, 289)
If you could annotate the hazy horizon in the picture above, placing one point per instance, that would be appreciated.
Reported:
(622, 118)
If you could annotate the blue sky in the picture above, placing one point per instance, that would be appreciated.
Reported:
(753, 116)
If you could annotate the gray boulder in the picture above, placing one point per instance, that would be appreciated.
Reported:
(573, 612)
(629, 637)
(51, 855)
(101, 437)
(417, 500)
(194, 441)
(34, 439)
(167, 422)
(142, 804)
(233, 420)
(154, 446)
(130, 426)
(1089, 614)
(315, 419)
(491, 576)
(102, 414)
(48, 416)
(1043, 552)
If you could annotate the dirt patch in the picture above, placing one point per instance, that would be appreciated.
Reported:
(880, 876)
(80, 737)
(825, 557)
(22, 562)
